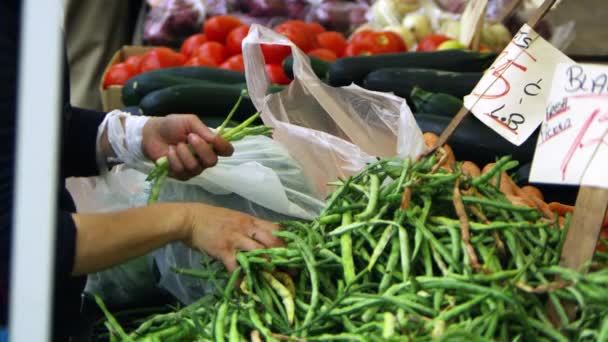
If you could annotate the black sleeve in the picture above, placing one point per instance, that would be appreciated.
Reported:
(78, 158)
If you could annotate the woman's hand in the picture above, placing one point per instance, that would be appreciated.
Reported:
(170, 136)
(222, 233)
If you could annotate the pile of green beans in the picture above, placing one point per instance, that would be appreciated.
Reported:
(402, 251)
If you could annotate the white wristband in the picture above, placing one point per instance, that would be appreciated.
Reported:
(126, 141)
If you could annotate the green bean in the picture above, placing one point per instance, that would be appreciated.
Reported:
(547, 330)
(346, 250)
(404, 253)
(112, 322)
(384, 240)
(459, 309)
(257, 323)
(330, 219)
(603, 334)
(283, 292)
(400, 301)
(391, 263)
(233, 335)
(373, 199)
(338, 337)
(218, 330)
(426, 258)
(501, 165)
(388, 329)
(310, 265)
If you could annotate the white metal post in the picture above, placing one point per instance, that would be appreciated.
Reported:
(38, 120)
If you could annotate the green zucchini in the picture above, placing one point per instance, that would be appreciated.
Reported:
(438, 103)
(345, 71)
(203, 99)
(401, 81)
(474, 141)
(139, 86)
(319, 66)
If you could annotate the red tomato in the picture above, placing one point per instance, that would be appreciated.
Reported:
(360, 36)
(118, 74)
(324, 54)
(301, 38)
(385, 42)
(161, 57)
(315, 28)
(217, 28)
(431, 42)
(200, 61)
(333, 41)
(213, 51)
(359, 49)
(276, 74)
(234, 63)
(296, 24)
(235, 39)
(192, 43)
(134, 63)
(275, 54)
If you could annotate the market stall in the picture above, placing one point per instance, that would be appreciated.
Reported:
(400, 222)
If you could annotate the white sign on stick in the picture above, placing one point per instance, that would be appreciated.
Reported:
(572, 145)
(510, 98)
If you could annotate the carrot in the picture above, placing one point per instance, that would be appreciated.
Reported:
(561, 209)
(561, 220)
(520, 201)
(538, 203)
(505, 185)
(533, 191)
(470, 169)
(431, 139)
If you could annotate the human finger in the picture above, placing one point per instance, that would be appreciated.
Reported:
(203, 150)
(191, 164)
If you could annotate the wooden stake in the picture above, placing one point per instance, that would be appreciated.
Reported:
(585, 227)
(448, 131)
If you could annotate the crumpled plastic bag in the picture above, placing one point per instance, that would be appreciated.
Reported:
(169, 22)
(332, 132)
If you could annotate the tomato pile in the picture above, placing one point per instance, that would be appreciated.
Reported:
(219, 45)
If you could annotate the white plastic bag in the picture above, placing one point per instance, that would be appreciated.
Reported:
(331, 132)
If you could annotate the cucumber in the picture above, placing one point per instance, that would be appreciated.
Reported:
(438, 103)
(476, 142)
(345, 71)
(203, 100)
(319, 66)
(401, 81)
(139, 86)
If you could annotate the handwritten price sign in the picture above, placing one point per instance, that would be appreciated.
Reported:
(510, 98)
(572, 146)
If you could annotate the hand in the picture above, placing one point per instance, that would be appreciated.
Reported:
(169, 136)
(222, 233)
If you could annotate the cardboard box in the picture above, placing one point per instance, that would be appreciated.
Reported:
(111, 98)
